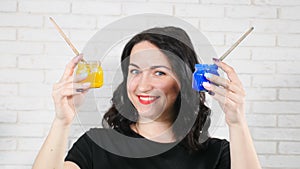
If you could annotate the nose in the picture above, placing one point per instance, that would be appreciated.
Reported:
(144, 83)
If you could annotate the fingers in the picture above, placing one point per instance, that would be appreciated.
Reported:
(232, 76)
(233, 87)
(61, 90)
(224, 90)
(221, 94)
(71, 66)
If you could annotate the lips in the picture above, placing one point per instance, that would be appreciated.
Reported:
(147, 99)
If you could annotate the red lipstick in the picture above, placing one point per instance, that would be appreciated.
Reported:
(147, 99)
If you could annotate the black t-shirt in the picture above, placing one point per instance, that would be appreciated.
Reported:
(89, 155)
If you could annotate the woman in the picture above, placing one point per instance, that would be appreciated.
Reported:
(155, 102)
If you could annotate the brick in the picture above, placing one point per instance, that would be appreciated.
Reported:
(21, 103)
(21, 48)
(277, 2)
(16, 166)
(193, 21)
(22, 76)
(260, 94)
(59, 48)
(221, 132)
(288, 67)
(289, 13)
(240, 53)
(276, 134)
(265, 147)
(49, 104)
(82, 35)
(8, 116)
(228, 2)
(110, 64)
(279, 161)
(276, 81)
(8, 6)
(289, 148)
(8, 89)
(175, 1)
(276, 107)
(103, 104)
(38, 116)
(276, 26)
(134, 8)
(289, 40)
(104, 91)
(17, 157)
(215, 38)
(251, 12)
(90, 118)
(53, 76)
(224, 25)
(44, 7)
(276, 54)
(99, 8)
(13, 130)
(42, 62)
(246, 80)
(253, 40)
(8, 34)
(109, 77)
(30, 143)
(8, 144)
(72, 21)
(10, 61)
(33, 89)
(18, 20)
(261, 120)
(78, 130)
(192, 10)
(288, 120)
(253, 67)
(289, 94)
(39, 35)
(103, 21)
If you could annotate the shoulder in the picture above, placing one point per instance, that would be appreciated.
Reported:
(217, 145)
(216, 141)
(222, 150)
(88, 138)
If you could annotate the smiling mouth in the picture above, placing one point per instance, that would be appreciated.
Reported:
(147, 99)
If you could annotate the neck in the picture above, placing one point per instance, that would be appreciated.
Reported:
(157, 131)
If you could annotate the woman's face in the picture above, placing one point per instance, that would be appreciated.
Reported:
(152, 86)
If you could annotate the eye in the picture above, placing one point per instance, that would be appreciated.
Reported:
(159, 73)
(134, 71)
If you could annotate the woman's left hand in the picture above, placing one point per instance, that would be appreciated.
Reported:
(229, 93)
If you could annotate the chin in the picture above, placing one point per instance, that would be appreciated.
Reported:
(149, 114)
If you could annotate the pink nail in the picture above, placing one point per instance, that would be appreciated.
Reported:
(206, 84)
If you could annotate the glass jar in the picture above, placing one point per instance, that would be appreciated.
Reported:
(199, 78)
(94, 71)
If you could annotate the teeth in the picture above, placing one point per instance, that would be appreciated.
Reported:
(147, 98)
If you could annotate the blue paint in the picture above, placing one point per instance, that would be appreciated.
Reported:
(199, 78)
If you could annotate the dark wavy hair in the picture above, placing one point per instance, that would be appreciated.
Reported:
(192, 111)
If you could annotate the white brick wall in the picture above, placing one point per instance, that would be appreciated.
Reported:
(33, 56)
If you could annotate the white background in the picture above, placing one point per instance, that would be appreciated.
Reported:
(33, 56)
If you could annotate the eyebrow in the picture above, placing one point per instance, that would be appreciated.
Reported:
(152, 67)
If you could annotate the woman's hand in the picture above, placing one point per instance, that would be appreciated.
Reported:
(68, 93)
(230, 93)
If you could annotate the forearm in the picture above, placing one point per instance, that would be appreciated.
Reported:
(53, 150)
(242, 151)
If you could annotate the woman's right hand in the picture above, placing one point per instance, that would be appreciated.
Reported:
(68, 92)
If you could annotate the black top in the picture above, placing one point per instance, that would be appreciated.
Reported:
(89, 155)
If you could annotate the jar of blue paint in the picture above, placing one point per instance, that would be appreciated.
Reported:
(199, 78)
